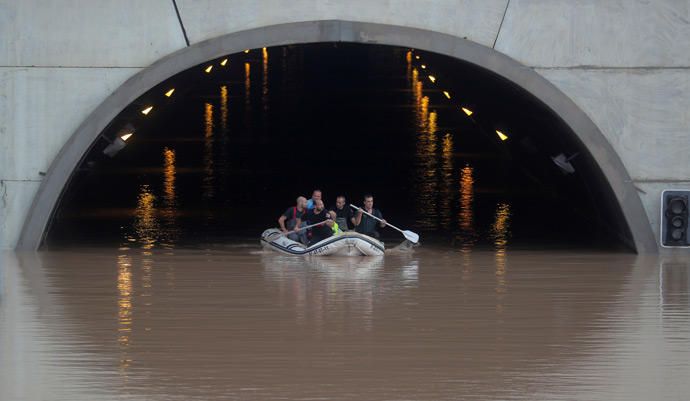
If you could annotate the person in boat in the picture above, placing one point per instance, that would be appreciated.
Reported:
(365, 224)
(316, 195)
(318, 215)
(291, 219)
(341, 212)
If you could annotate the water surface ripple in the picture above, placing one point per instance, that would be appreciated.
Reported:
(435, 324)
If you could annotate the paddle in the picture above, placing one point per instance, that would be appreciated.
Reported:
(409, 235)
(300, 229)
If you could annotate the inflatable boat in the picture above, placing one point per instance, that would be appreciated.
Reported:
(348, 243)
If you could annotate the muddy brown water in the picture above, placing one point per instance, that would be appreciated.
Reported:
(433, 324)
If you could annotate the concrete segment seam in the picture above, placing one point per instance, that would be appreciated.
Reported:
(179, 19)
(498, 32)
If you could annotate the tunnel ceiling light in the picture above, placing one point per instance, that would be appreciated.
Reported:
(170, 92)
(225, 61)
(147, 110)
(501, 135)
(446, 94)
(432, 78)
(208, 69)
(423, 67)
(246, 51)
(563, 162)
(416, 57)
(467, 111)
(119, 143)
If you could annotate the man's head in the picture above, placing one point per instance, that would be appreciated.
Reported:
(316, 195)
(368, 201)
(318, 205)
(340, 202)
(301, 202)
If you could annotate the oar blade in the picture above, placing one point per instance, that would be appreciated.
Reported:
(410, 236)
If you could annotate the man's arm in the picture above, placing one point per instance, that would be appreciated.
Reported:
(383, 221)
(281, 223)
(358, 218)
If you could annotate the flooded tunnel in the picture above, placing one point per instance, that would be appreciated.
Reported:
(213, 155)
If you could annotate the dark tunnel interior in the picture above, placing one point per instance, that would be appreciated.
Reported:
(447, 148)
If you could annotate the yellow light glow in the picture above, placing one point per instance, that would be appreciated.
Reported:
(224, 108)
(416, 57)
(208, 69)
(125, 137)
(408, 56)
(169, 172)
(170, 92)
(423, 67)
(432, 78)
(446, 94)
(501, 135)
(467, 111)
(147, 110)
(246, 51)
(225, 61)
(263, 49)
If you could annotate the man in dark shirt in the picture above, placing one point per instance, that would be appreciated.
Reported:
(315, 216)
(291, 219)
(365, 224)
(343, 213)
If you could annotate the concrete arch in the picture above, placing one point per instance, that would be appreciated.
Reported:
(61, 169)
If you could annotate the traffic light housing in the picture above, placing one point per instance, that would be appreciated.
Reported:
(675, 218)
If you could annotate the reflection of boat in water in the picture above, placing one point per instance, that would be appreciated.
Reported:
(343, 244)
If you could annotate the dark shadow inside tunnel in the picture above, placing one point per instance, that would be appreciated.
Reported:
(218, 152)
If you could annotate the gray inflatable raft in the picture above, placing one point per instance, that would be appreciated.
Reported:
(347, 243)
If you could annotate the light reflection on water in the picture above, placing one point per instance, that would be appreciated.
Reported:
(247, 86)
(436, 172)
(146, 227)
(207, 186)
(443, 183)
(467, 235)
(124, 304)
(264, 81)
(224, 109)
(447, 182)
(83, 324)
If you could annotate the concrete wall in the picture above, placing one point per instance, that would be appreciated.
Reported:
(626, 63)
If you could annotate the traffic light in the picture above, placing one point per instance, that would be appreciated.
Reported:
(674, 218)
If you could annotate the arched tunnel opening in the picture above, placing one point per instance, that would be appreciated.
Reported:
(213, 155)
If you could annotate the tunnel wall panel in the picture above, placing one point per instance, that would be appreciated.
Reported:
(44, 107)
(77, 33)
(477, 20)
(610, 33)
(644, 114)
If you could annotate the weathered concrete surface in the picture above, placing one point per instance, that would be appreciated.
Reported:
(41, 109)
(610, 33)
(645, 115)
(15, 199)
(624, 62)
(477, 20)
(103, 33)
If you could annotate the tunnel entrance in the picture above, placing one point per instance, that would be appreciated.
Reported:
(215, 153)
